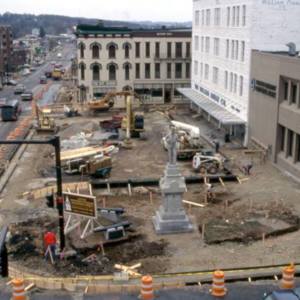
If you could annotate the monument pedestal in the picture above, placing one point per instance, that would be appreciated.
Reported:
(171, 216)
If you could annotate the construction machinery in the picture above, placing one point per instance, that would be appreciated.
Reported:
(211, 164)
(107, 102)
(188, 140)
(56, 74)
(97, 166)
(45, 123)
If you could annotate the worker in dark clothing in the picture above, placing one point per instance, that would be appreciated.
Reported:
(217, 146)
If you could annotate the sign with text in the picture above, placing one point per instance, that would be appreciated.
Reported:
(81, 205)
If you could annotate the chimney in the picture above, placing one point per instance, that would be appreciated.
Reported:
(292, 49)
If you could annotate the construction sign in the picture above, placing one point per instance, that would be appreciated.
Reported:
(81, 205)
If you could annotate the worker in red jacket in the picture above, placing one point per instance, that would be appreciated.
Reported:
(50, 244)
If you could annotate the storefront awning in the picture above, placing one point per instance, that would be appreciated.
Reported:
(216, 111)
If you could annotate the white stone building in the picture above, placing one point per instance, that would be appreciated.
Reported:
(152, 62)
(224, 33)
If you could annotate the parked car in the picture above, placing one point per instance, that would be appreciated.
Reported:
(48, 74)
(27, 95)
(11, 82)
(43, 80)
(19, 89)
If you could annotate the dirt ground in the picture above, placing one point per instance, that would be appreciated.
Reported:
(267, 193)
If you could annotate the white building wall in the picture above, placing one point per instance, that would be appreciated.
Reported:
(267, 26)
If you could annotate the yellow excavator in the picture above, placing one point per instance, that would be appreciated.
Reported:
(44, 123)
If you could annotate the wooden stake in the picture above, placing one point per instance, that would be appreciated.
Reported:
(151, 197)
(203, 231)
(263, 238)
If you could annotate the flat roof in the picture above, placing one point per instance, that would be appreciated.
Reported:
(212, 108)
(85, 29)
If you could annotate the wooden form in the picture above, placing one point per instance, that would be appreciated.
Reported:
(129, 269)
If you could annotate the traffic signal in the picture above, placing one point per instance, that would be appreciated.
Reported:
(50, 200)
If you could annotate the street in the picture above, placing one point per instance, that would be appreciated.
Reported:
(236, 291)
(32, 83)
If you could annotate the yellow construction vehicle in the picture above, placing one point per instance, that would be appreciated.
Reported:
(44, 123)
(107, 102)
(56, 74)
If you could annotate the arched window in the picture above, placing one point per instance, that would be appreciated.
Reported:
(82, 71)
(126, 47)
(95, 51)
(112, 72)
(127, 67)
(81, 47)
(112, 48)
(96, 73)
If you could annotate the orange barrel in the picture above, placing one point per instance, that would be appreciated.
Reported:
(147, 288)
(18, 289)
(218, 286)
(288, 274)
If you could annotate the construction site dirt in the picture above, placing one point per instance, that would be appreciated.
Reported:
(253, 221)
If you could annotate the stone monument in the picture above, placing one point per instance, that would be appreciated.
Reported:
(171, 216)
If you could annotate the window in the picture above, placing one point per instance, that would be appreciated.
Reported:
(169, 50)
(206, 71)
(147, 71)
(82, 71)
(188, 49)
(298, 148)
(231, 82)
(197, 15)
(127, 71)
(235, 83)
(157, 70)
(95, 51)
(201, 70)
(217, 18)
(196, 43)
(82, 47)
(96, 72)
(227, 48)
(112, 51)
(236, 50)
(202, 43)
(178, 70)
(137, 49)
(112, 72)
(216, 46)
(202, 17)
(169, 70)
(157, 49)
(290, 142)
(286, 90)
(237, 16)
(232, 49)
(207, 17)
(178, 50)
(196, 67)
(147, 50)
(233, 16)
(137, 71)
(226, 80)
(126, 50)
(187, 70)
(243, 51)
(244, 16)
(207, 44)
(294, 93)
(241, 85)
(215, 75)
(228, 16)
(282, 132)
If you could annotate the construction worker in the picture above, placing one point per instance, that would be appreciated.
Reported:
(50, 245)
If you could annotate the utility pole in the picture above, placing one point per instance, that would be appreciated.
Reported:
(55, 142)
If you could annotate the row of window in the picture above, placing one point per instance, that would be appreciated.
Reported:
(291, 91)
(234, 49)
(290, 143)
(113, 47)
(112, 70)
(231, 80)
(235, 16)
